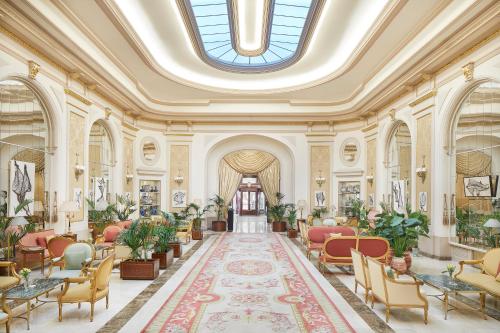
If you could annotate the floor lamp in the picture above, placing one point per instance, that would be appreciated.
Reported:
(69, 208)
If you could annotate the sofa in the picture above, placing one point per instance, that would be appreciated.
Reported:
(316, 236)
(488, 277)
(337, 250)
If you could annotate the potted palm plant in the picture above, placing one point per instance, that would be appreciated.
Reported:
(292, 219)
(317, 213)
(124, 208)
(277, 213)
(99, 219)
(220, 207)
(139, 238)
(197, 213)
(174, 220)
(164, 234)
(10, 236)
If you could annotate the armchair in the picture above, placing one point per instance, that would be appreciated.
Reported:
(488, 278)
(12, 279)
(186, 234)
(88, 289)
(395, 293)
(361, 275)
(56, 246)
(76, 257)
(5, 315)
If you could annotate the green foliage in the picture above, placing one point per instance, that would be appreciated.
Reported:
(318, 212)
(278, 211)
(355, 206)
(163, 234)
(292, 216)
(139, 237)
(101, 218)
(125, 207)
(12, 236)
(220, 206)
(197, 213)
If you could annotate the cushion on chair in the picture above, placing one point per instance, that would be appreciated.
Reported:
(111, 233)
(76, 254)
(8, 281)
(317, 234)
(373, 247)
(81, 292)
(57, 245)
(491, 261)
(484, 281)
(66, 273)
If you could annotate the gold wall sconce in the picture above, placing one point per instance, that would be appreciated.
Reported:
(320, 180)
(422, 170)
(369, 178)
(79, 168)
(179, 179)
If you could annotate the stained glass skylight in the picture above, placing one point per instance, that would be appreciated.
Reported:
(212, 24)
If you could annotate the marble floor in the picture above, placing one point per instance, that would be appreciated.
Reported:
(250, 224)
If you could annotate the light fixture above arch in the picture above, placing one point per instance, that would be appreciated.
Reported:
(250, 36)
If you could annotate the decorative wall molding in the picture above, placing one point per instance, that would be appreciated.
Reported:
(424, 97)
(77, 96)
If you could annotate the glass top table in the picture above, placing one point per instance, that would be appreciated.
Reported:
(37, 287)
(448, 285)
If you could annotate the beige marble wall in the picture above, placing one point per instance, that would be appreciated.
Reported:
(76, 146)
(179, 160)
(424, 128)
(128, 163)
(320, 160)
(371, 167)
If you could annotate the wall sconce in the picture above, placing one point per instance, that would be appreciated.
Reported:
(422, 171)
(79, 169)
(320, 180)
(369, 178)
(179, 179)
(129, 176)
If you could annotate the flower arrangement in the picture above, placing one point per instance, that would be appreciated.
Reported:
(450, 268)
(25, 273)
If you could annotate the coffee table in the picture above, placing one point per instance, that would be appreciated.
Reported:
(448, 285)
(37, 288)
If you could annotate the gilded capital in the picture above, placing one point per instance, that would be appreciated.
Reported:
(33, 69)
(468, 71)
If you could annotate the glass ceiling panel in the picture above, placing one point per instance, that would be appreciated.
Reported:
(286, 32)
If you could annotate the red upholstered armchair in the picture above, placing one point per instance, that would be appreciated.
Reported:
(317, 235)
(56, 247)
(109, 235)
(337, 250)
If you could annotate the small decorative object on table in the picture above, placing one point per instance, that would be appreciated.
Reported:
(25, 273)
(450, 269)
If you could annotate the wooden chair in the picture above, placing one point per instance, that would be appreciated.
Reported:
(5, 315)
(12, 279)
(88, 289)
(56, 246)
(75, 258)
(361, 276)
(395, 293)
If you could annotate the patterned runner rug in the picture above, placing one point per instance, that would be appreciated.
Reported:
(248, 283)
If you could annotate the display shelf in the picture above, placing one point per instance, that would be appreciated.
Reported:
(347, 191)
(149, 198)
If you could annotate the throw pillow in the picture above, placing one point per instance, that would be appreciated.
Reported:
(41, 241)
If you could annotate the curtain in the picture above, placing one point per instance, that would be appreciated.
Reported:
(229, 180)
(474, 164)
(270, 181)
(249, 161)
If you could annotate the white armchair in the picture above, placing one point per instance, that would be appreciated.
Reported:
(395, 293)
(361, 276)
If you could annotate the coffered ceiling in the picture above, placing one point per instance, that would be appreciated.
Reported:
(359, 54)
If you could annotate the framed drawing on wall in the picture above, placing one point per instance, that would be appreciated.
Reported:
(319, 199)
(398, 195)
(422, 201)
(22, 187)
(179, 198)
(371, 200)
(478, 187)
(100, 192)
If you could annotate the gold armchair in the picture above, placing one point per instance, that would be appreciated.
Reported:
(5, 315)
(12, 279)
(89, 288)
(186, 234)
(487, 278)
(395, 293)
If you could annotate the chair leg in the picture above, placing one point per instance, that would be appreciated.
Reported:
(60, 311)
(107, 301)
(308, 255)
(91, 311)
(7, 326)
(355, 286)
(426, 310)
(373, 301)
(366, 295)
(387, 313)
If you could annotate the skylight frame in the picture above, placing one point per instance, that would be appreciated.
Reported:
(233, 62)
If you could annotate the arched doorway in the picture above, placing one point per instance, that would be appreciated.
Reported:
(25, 143)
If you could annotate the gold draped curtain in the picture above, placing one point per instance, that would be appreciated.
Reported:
(249, 162)
(472, 164)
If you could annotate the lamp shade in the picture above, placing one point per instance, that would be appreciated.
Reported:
(301, 204)
(18, 220)
(492, 223)
(69, 207)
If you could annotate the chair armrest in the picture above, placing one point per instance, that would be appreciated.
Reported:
(56, 259)
(12, 266)
(468, 262)
(7, 263)
(79, 279)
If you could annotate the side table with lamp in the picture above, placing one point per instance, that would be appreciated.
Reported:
(69, 208)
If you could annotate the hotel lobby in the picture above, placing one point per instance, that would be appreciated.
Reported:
(249, 166)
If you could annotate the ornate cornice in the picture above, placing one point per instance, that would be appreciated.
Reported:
(422, 98)
(77, 96)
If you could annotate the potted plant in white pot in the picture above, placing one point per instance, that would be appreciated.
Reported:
(139, 238)
(164, 234)
(219, 206)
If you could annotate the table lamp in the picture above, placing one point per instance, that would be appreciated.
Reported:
(301, 204)
(69, 208)
(492, 224)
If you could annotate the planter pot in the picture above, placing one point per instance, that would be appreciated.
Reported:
(399, 264)
(177, 249)
(197, 234)
(292, 233)
(406, 256)
(279, 226)
(139, 269)
(219, 226)
(166, 258)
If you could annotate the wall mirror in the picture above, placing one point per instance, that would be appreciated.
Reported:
(150, 151)
(349, 151)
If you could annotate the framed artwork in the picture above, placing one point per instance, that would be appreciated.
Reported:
(179, 198)
(319, 199)
(371, 200)
(78, 197)
(478, 187)
(22, 187)
(3, 203)
(422, 201)
(398, 195)
(100, 192)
